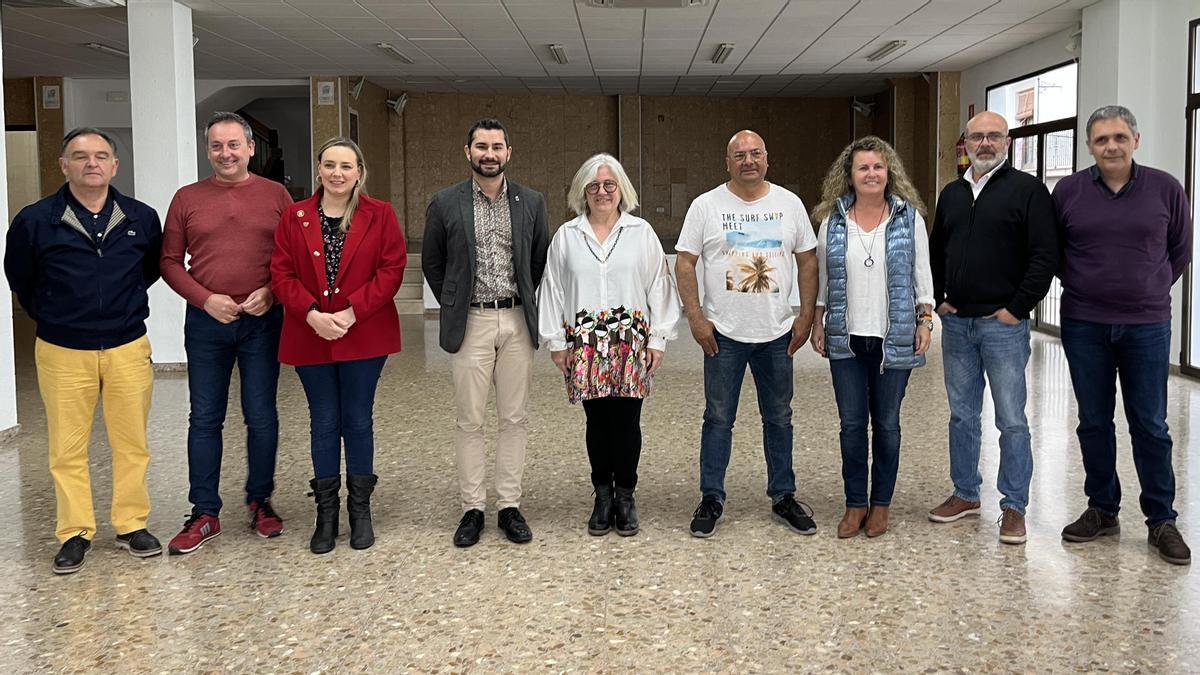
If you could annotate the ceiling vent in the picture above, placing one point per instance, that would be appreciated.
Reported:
(646, 4)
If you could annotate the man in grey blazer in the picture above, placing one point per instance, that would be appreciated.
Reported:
(484, 253)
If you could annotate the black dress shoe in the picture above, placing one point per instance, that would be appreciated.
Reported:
(70, 556)
(139, 543)
(514, 526)
(469, 528)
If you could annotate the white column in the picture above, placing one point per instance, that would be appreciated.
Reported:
(8, 365)
(162, 93)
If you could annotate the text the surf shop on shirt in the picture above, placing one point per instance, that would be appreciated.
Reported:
(753, 251)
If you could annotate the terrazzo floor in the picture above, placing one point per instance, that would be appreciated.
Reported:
(754, 598)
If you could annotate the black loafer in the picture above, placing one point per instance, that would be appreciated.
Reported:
(70, 557)
(514, 526)
(469, 528)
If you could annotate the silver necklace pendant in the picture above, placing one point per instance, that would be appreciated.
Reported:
(869, 262)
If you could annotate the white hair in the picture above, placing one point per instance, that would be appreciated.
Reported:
(577, 195)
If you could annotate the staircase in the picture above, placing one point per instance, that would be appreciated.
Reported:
(411, 297)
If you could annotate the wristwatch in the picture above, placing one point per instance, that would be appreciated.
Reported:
(927, 322)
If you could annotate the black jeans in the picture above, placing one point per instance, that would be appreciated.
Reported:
(614, 439)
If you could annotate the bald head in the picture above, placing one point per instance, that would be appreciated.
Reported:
(746, 161)
(987, 142)
(989, 119)
(745, 137)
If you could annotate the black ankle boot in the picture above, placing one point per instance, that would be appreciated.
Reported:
(625, 513)
(602, 513)
(358, 506)
(325, 493)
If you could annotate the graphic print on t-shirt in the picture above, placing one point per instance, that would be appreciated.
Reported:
(753, 251)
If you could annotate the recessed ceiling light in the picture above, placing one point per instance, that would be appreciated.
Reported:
(559, 54)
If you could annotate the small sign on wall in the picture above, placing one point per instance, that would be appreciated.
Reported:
(51, 96)
(326, 93)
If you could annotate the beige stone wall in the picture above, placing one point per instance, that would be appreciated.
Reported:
(50, 133)
(374, 137)
(19, 109)
(550, 136)
(684, 141)
(676, 145)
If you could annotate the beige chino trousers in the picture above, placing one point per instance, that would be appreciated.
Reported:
(496, 351)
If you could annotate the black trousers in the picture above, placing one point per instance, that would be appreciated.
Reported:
(614, 439)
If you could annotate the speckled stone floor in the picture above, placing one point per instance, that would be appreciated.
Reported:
(754, 598)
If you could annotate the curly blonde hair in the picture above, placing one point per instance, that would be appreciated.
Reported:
(838, 182)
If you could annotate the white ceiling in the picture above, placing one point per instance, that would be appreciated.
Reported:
(783, 47)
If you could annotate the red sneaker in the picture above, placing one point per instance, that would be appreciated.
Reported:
(264, 520)
(197, 529)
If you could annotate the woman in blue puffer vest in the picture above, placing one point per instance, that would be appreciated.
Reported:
(873, 320)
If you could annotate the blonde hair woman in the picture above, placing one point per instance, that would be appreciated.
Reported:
(873, 318)
(339, 258)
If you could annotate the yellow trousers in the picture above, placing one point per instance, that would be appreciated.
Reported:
(71, 380)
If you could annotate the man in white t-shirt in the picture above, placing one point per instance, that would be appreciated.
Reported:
(747, 232)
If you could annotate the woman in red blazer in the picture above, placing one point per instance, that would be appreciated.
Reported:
(338, 261)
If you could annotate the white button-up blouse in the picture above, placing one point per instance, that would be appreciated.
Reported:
(584, 278)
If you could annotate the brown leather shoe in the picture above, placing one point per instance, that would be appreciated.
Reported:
(1012, 527)
(877, 521)
(952, 509)
(852, 522)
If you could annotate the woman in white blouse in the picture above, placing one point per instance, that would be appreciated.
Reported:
(873, 317)
(607, 305)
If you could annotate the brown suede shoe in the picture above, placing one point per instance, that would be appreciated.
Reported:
(952, 509)
(877, 521)
(1012, 527)
(852, 522)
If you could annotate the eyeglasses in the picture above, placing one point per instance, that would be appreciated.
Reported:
(755, 155)
(610, 186)
(993, 137)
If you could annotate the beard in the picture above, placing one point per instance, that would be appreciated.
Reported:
(489, 172)
(982, 166)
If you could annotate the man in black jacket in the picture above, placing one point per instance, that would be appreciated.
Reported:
(484, 253)
(993, 251)
(80, 262)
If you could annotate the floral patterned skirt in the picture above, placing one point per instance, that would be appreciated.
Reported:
(608, 350)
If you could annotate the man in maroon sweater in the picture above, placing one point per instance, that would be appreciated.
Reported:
(1126, 235)
(227, 224)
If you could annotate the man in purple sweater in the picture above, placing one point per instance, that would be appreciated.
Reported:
(1126, 237)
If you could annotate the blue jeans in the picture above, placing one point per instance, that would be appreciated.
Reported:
(865, 391)
(252, 342)
(341, 398)
(772, 370)
(972, 348)
(1139, 354)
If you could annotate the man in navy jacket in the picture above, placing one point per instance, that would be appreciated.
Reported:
(80, 262)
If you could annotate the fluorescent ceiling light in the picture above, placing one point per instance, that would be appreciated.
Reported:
(96, 3)
(107, 50)
(722, 53)
(389, 48)
(886, 49)
(559, 54)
